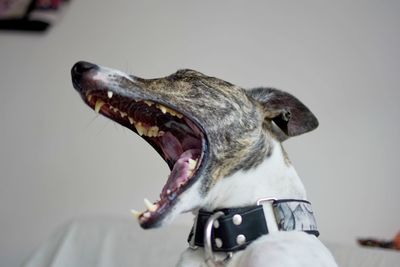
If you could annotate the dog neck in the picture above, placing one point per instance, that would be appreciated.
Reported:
(275, 177)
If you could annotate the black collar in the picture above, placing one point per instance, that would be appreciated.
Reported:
(238, 227)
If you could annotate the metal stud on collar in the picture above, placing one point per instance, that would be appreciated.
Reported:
(218, 242)
(240, 239)
(237, 219)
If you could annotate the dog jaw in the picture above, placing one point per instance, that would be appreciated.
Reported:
(234, 125)
(189, 200)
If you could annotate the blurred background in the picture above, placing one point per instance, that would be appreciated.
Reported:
(60, 161)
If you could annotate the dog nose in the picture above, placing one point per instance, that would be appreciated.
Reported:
(79, 69)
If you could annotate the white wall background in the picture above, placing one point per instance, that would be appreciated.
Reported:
(58, 161)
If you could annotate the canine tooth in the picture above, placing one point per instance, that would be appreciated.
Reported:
(136, 213)
(132, 121)
(89, 97)
(149, 103)
(123, 114)
(98, 105)
(109, 94)
(150, 206)
(192, 164)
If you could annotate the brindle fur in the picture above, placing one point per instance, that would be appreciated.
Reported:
(238, 133)
(241, 127)
(239, 124)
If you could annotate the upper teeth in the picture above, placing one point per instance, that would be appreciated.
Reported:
(149, 103)
(150, 131)
(139, 128)
(98, 105)
(153, 131)
(165, 110)
(162, 108)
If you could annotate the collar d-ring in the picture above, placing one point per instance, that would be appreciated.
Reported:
(208, 233)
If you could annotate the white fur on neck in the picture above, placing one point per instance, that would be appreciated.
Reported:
(273, 178)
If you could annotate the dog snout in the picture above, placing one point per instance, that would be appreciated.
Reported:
(78, 70)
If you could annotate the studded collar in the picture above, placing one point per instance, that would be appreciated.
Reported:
(234, 229)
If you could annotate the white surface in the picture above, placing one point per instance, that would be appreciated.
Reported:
(114, 241)
(106, 242)
(349, 256)
(341, 59)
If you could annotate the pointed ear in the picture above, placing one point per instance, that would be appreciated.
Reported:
(286, 111)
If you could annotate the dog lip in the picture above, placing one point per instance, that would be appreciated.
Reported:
(155, 218)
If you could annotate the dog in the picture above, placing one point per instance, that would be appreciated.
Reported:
(223, 146)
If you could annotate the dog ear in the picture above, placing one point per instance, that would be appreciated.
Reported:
(286, 111)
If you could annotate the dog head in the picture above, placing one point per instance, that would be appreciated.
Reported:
(203, 127)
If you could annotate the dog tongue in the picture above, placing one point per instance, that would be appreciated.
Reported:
(180, 152)
(171, 146)
(180, 173)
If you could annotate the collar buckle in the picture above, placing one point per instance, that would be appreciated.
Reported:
(266, 199)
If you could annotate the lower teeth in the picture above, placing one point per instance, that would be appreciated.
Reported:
(172, 196)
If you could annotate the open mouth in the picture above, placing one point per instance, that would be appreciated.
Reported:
(178, 139)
